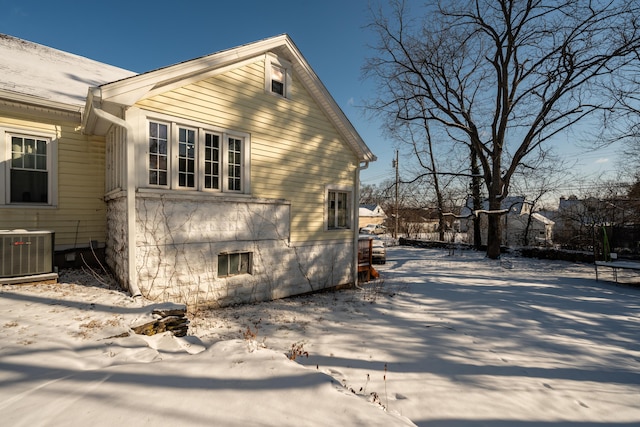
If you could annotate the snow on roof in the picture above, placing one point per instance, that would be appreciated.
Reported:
(371, 210)
(29, 68)
(543, 219)
(510, 203)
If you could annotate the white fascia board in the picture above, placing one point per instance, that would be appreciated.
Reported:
(337, 116)
(331, 107)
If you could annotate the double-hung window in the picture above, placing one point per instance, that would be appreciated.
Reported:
(27, 169)
(337, 209)
(192, 157)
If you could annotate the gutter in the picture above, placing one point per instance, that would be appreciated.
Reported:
(132, 276)
(356, 219)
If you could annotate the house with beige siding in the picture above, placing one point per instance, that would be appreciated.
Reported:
(228, 178)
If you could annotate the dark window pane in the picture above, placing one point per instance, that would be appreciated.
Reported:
(41, 147)
(41, 163)
(277, 87)
(29, 161)
(234, 263)
(223, 265)
(29, 186)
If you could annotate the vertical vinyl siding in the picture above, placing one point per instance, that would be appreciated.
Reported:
(79, 215)
(295, 150)
(116, 159)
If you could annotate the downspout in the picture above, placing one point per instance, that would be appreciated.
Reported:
(132, 276)
(356, 220)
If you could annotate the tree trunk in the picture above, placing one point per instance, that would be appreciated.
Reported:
(476, 182)
(494, 230)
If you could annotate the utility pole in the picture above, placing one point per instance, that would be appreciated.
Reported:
(396, 166)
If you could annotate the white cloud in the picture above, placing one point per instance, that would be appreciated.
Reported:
(602, 160)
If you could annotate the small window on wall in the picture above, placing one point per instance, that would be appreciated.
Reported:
(338, 212)
(277, 79)
(277, 76)
(232, 264)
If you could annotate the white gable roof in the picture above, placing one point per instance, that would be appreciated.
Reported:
(40, 74)
(543, 219)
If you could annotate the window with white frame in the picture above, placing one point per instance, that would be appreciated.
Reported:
(277, 79)
(158, 154)
(277, 76)
(232, 264)
(27, 169)
(186, 157)
(211, 161)
(235, 164)
(191, 157)
(338, 212)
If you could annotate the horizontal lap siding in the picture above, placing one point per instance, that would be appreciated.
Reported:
(79, 216)
(295, 150)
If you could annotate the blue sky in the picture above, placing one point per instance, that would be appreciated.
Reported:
(141, 35)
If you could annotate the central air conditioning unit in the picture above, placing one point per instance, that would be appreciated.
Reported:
(25, 253)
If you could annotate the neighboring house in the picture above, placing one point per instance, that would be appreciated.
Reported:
(516, 213)
(424, 222)
(416, 221)
(579, 223)
(228, 178)
(371, 214)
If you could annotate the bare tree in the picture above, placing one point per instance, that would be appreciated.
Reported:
(537, 182)
(623, 122)
(506, 76)
(372, 195)
(436, 172)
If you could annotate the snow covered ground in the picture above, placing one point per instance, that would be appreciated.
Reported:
(441, 340)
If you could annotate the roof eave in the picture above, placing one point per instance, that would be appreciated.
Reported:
(33, 105)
